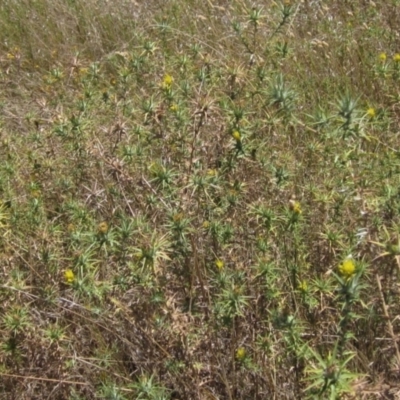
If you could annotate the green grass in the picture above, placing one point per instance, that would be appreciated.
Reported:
(199, 200)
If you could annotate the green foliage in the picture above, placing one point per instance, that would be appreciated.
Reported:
(330, 377)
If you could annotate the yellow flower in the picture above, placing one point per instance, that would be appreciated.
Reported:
(167, 81)
(219, 264)
(303, 286)
(295, 206)
(173, 108)
(396, 58)
(347, 268)
(382, 57)
(206, 224)
(102, 228)
(69, 276)
(236, 135)
(371, 112)
(240, 353)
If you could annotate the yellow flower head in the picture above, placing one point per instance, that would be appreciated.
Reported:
(173, 107)
(396, 58)
(295, 206)
(167, 81)
(382, 57)
(371, 112)
(240, 353)
(347, 268)
(69, 276)
(206, 224)
(102, 228)
(219, 264)
(236, 135)
(303, 286)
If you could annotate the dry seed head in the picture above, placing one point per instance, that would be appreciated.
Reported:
(102, 228)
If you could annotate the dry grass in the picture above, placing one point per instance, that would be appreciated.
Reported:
(199, 201)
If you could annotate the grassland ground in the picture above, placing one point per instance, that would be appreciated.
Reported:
(199, 200)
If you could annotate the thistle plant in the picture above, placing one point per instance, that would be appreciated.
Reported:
(328, 376)
(232, 303)
(286, 9)
(348, 278)
(54, 333)
(111, 392)
(162, 176)
(347, 110)
(146, 388)
(16, 320)
(179, 226)
(264, 215)
(281, 96)
(153, 250)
